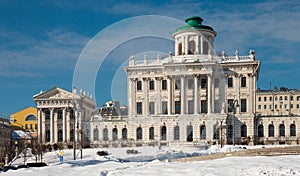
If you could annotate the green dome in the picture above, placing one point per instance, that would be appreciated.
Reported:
(194, 23)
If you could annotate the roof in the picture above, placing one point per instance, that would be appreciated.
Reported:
(194, 23)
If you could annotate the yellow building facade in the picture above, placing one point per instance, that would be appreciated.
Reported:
(26, 120)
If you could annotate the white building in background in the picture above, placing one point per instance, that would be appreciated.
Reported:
(60, 112)
(185, 97)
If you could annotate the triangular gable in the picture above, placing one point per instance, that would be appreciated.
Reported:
(54, 93)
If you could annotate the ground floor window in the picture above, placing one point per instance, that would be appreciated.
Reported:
(281, 130)
(96, 134)
(260, 130)
(189, 133)
(229, 131)
(124, 133)
(176, 133)
(105, 134)
(139, 133)
(47, 135)
(163, 133)
(60, 135)
(203, 132)
(292, 130)
(72, 135)
(243, 130)
(115, 134)
(271, 130)
(151, 133)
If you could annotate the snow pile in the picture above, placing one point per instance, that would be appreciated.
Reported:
(156, 161)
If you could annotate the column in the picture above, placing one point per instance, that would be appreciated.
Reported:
(208, 93)
(196, 95)
(170, 96)
(68, 126)
(131, 97)
(76, 125)
(250, 109)
(201, 44)
(146, 96)
(198, 44)
(182, 91)
(186, 45)
(51, 125)
(55, 125)
(39, 126)
(237, 90)
(212, 95)
(43, 127)
(158, 96)
(64, 124)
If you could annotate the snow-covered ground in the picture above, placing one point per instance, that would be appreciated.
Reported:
(155, 161)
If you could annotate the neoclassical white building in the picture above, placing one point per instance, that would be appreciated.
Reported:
(191, 96)
(63, 115)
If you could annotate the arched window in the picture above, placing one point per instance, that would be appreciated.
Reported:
(124, 133)
(243, 130)
(115, 134)
(105, 134)
(163, 133)
(139, 133)
(281, 130)
(292, 130)
(260, 130)
(71, 135)
(31, 117)
(60, 136)
(151, 133)
(47, 135)
(203, 132)
(271, 130)
(205, 47)
(96, 134)
(176, 133)
(179, 48)
(192, 47)
(189, 133)
(229, 131)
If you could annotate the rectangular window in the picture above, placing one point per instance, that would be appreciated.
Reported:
(292, 98)
(280, 98)
(151, 108)
(47, 115)
(292, 106)
(265, 106)
(35, 126)
(230, 82)
(271, 107)
(26, 126)
(297, 106)
(276, 98)
(270, 98)
(276, 106)
(31, 127)
(259, 98)
(164, 84)
(265, 98)
(139, 85)
(280, 106)
(216, 82)
(164, 107)
(259, 106)
(285, 106)
(177, 84)
(72, 115)
(243, 81)
(139, 107)
(151, 85)
(285, 98)
(203, 106)
(59, 114)
(203, 84)
(190, 83)
(177, 107)
(190, 106)
(298, 98)
(243, 105)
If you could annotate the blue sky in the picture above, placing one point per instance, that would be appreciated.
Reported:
(40, 41)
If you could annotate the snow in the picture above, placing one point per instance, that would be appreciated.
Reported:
(155, 161)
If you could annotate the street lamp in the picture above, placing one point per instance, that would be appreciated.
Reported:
(221, 133)
(233, 104)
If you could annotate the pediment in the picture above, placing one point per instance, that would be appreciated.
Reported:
(54, 93)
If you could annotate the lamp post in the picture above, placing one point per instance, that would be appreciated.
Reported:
(233, 104)
(221, 133)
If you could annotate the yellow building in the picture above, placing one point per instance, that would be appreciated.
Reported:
(26, 120)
